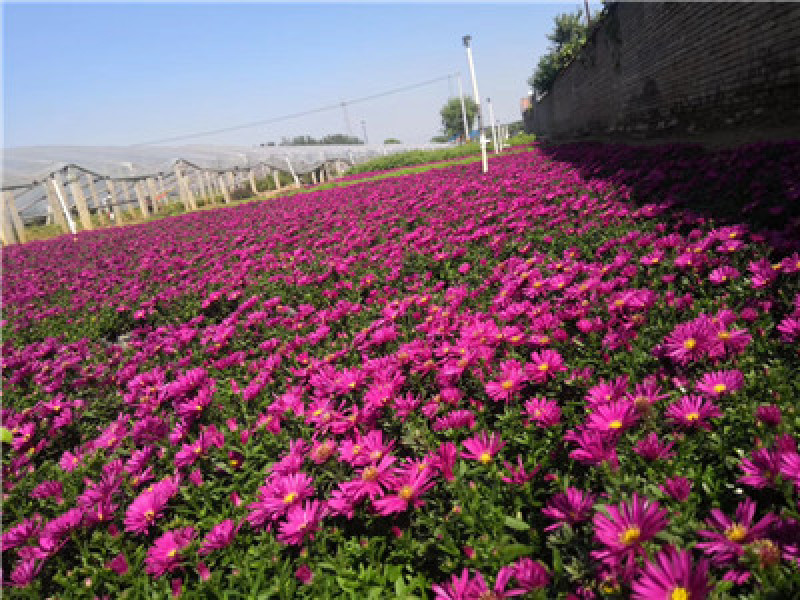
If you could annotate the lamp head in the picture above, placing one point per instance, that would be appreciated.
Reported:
(466, 39)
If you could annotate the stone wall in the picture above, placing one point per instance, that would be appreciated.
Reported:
(660, 69)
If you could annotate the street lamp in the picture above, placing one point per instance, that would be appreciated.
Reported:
(484, 160)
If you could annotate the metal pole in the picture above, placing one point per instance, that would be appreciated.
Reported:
(484, 158)
(463, 110)
(364, 127)
(493, 124)
(291, 170)
(588, 18)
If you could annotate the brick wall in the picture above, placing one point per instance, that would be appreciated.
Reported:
(656, 69)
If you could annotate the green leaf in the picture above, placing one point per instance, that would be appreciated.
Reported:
(516, 524)
(513, 551)
(5, 435)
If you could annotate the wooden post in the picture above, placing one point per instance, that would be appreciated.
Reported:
(6, 228)
(116, 209)
(138, 187)
(55, 206)
(93, 192)
(182, 190)
(162, 190)
(189, 192)
(80, 201)
(151, 187)
(253, 185)
(63, 201)
(277, 177)
(225, 193)
(19, 226)
(313, 176)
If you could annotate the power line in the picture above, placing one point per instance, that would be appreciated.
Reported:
(312, 111)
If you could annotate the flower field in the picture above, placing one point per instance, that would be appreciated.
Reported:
(575, 376)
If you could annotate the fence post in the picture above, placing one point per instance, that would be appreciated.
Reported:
(115, 207)
(7, 229)
(55, 207)
(225, 193)
(80, 202)
(277, 178)
(253, 186)
(61, 194)
(291, 170)
(151, 187)
(93, 194)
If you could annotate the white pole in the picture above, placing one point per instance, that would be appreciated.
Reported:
(59, 193)
(463, 110)
(493, 124)
(484, 158)
(291, 170)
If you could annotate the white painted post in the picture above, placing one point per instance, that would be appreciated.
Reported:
(209, 187)
(494, 126)
(60, 193)
(277, 179)
(181, 189)
(225, 193)
(116, 209)
(55, 208)
(253, 186)
(313, 177)
(484, 158)
(138, 187)
(151, 188)
(80, 202)
(6, 228)
(291, 170)
(189, 192)
(93, 193)
(15, 218)
(126, 195)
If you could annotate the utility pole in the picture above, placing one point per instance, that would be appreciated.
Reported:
(493, 125)
(588, 17)
(484, 159)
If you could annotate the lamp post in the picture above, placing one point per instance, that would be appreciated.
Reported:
(493, 125)
(484, 159)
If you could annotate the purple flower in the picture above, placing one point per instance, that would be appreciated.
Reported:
(673, 576)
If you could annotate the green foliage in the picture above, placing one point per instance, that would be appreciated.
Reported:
(414, 157)
(328, 140)
(452, 120)
(568, 37)
(392, 141)
(521, 139)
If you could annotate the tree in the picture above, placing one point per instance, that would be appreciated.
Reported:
(452, 122)
(392, 141)
(568, 37)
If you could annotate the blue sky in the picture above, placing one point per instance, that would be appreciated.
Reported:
(116, 74)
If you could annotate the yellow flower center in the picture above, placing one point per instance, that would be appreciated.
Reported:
(172, 553)
(290, 497)
(630, 536)
(615, 424)
(736, 533)
(692, 416)
(720, 388)
(149, 515)
(543, 367)
(690, 343)
(370, 474)
(724, 336)
(485, 458)
(356, 449)
(679, 593)
(406, 492)
(507, 384)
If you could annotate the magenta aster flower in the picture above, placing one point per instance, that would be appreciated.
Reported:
(678, 488)
(769, 414)
(301, 521)
(613, 418)
(518, 475)
(692, 411)
(530, 575)
(673, 576)
(625, 527)
(651, 448)
(279, 494)
(722, 275)
(688, 342)
(460, 587)
(165, 553)
(483, 447)
(407, 491)
(762, 469)
(510, 381)
(372, 480)
(220, 536)
(594, 447)
(148, 506)
(789, 329)
(790, 466)
(572, 507)
(543, 411)
(720, 383)
(728, 537)
(544, 365)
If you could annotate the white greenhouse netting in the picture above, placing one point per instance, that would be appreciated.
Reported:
(25, 170)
